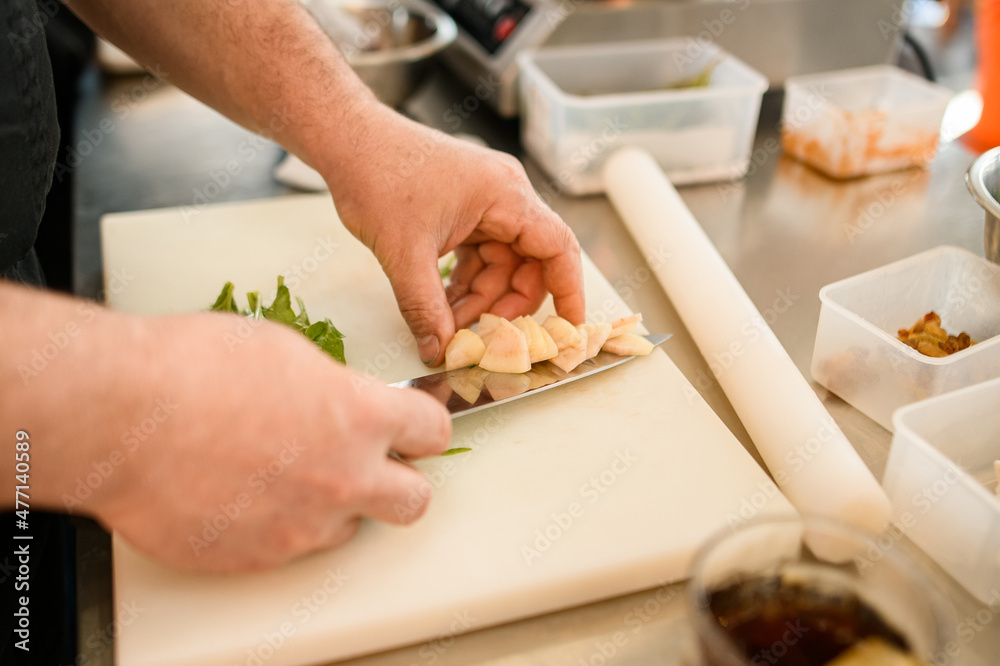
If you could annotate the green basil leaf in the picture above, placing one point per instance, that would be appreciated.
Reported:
(225, 302)
(281, 308)
(323, 333)
(329, 339)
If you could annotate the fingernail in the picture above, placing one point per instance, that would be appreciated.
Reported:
(429, 348)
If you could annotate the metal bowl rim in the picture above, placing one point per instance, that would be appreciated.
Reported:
(975, 180)
(445, 32)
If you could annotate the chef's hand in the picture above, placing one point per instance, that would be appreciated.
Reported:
(414, 194)
(411, 194)
(206, 441)
(272, 450)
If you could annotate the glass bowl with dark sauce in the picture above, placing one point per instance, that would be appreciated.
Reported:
(813, 592)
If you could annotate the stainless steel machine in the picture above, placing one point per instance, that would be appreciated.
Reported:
(779, 38)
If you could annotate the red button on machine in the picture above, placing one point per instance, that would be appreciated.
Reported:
(503, 27)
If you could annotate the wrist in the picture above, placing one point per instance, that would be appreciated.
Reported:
(79, 409)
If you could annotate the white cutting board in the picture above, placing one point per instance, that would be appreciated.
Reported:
(628, 471)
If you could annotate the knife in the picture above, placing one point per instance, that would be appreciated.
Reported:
(469, 390)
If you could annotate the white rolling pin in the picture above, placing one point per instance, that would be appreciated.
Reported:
(807, 454)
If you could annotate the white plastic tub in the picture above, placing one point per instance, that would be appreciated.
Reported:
(581, 103)
(855, 122)
(857, 354)
(942, 484)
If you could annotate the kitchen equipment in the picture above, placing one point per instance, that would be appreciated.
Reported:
(779, 38)
(696, 115)
(857, 354)
(983, 181)
(801, 444)
(468, 390)
(942, 480)
(389, 43)
(603, 487)
(772, 572)
(861, 121)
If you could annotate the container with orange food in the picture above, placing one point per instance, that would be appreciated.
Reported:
(856, 122)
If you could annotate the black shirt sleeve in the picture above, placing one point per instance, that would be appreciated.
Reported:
(29, 133)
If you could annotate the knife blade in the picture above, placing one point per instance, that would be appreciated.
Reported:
(469, 390)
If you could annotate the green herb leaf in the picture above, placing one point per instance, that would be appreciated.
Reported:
(456, 450)
(225, 302)
(281, 308)
(323, 333)
(303, 319)
(253, 299)
(329, 339)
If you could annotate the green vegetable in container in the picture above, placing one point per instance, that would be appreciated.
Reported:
(323, 333)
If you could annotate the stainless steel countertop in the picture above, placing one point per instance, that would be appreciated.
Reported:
(785, 231)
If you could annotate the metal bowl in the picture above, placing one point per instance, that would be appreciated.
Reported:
(983, 179)
(388, 43)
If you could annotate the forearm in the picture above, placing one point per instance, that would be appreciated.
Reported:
(264, 63)
(72, 375)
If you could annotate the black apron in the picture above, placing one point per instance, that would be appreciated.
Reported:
(29, 133)
(29, 138)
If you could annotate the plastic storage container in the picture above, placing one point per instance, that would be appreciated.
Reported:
(581, 103)
(857, 354)
(855, 122)
(941, 481)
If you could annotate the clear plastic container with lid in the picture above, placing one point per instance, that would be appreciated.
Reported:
(856, 122)
(693, 106)
(942, 481)
(857, 354)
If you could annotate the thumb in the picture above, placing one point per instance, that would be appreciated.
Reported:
(419, 290)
